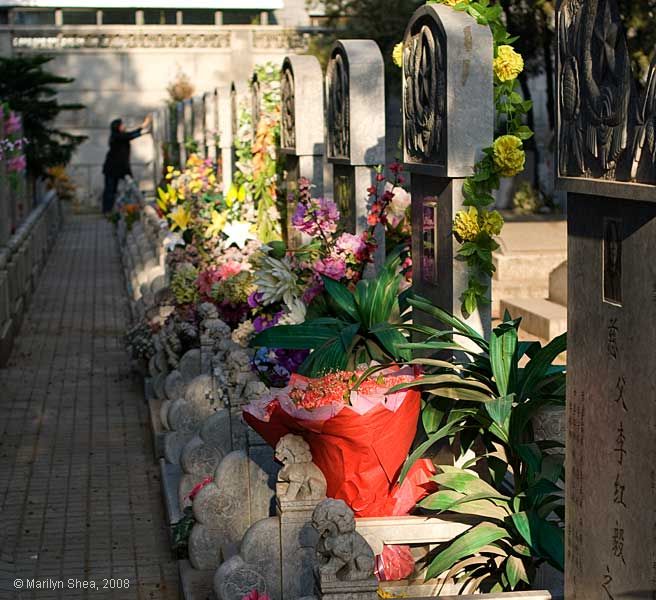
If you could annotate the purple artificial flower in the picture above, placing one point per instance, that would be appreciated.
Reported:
(255, 299)
(12, 123)
(317, 216)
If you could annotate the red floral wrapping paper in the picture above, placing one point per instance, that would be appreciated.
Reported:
(360, 449)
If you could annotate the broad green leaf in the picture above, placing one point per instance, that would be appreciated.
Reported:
(539, 365)
(523, 525)
(426, 306)
(465, 544)
(431, 418)
(503, 345)
(475, 504)
(393, 340)
(449, 428)
(499, 410)
(515, 571)
(303, 336)
(465, 482)
(342, 297)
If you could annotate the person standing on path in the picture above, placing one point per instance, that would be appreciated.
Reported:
(117, 162)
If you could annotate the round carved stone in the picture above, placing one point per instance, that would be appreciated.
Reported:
(190, 364)
(200, 392)
(186, 416)
(205, 547)
(164, 413)
(235, 579)
(158, 385)
(174, 442)
(174, 386)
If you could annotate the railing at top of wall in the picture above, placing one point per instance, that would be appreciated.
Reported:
(72, 37)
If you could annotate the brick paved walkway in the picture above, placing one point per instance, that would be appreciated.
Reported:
(79, 488)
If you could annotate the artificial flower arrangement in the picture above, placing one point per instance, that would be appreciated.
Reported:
(359, 434)
(12, 145)
(477, 225)
(258, 165)
(201, 215)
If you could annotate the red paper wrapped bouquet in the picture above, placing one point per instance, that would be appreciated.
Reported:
(359, 435)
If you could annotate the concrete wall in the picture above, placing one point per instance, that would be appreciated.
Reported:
(124, 71)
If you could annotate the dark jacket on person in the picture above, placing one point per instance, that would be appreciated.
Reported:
(117, 162)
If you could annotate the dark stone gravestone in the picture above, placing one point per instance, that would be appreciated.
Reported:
(607, 164)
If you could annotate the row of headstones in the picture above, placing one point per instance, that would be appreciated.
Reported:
(333, 133)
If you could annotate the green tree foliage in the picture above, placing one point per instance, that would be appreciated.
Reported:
(32, 91)
(383, 21)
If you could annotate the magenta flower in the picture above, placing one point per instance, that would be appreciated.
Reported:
(13, 123)
(318, 216)
(352, 245)
(255, 595)
(17, 164)
(335, 268)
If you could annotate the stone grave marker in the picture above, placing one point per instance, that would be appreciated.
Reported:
(180, 132)
(223, 135)
(355, 125)
(198, 124)
(607, 165)
(239, 97)
(301, 129)
(448, 118)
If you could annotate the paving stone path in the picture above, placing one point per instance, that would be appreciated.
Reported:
(79, 489)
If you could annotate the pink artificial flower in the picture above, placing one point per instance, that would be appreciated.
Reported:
(229, 269)
(335, 268)
(255, 595)
(206, 280)
(351, 244)
(17, 164)
(13, 123)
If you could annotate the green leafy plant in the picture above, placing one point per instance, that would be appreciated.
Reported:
(32, 91)
(181, 531)
(356, 331)
(484, 402)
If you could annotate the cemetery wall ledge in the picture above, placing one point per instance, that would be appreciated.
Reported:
(74, 37)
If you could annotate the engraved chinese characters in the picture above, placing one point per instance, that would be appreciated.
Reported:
(440, 149)
(606, 126)
(425, 93)
(605, 145)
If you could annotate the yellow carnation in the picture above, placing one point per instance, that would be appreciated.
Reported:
(466, 226)
(492, 223)
(397, 54)
(509, 156)
(508, 63)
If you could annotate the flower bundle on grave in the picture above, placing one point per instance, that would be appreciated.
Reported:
(358, 433)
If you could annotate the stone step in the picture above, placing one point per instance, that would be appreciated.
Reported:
(528, 265)
(502, 290)
(540, 317)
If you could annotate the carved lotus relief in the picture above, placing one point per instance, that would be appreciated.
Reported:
(605, 126)
(288, 128)
(424, 88)
(338, 107)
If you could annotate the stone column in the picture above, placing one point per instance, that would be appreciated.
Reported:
(225, 132)
(239, 100)
(188, 119)
(301, 129)
(198, 124)
(448, 118)
(607, 165)
(180, 132)
(355, 125)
